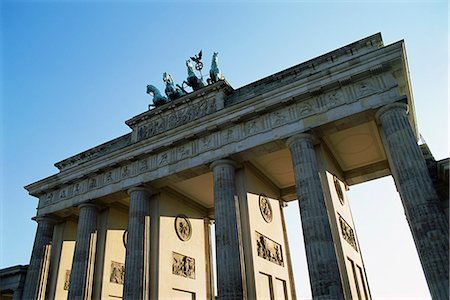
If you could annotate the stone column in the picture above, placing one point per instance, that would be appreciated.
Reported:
(81, 275)
(136, 284)
(36, 279)
(229, 254)
(320, 252)
(427, 222)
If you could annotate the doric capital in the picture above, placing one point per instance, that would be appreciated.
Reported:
(302, 137)
(138, 189)
(87, 204)
(391, 107)
(45, 219)
(227, 162)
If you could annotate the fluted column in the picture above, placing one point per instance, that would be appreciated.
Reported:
(36, 279)
(427, 222)
(81, 275)
(229, 254)
(320, 252)
(136, 285)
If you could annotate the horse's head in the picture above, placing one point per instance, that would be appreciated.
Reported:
(189, 64)
(151, 89)
(214, 57)
(167, 78)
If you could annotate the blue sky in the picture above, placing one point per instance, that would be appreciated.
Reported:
(72, 73)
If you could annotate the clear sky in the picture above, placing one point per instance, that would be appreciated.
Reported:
(72, 73)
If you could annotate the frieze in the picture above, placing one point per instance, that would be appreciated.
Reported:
(178, 117)
(269, 249)
(347, 233)
(183, 265)
(117, 272)
(208, 141)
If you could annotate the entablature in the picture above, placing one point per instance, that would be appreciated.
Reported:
(227, 127)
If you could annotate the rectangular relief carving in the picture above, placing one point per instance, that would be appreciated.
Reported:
(117, 272)
(179, 116)
(183, 265)
(347, 233)
(269, 249)
(67, 280)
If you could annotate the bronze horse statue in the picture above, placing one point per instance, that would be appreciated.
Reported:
(172, 91)
(215, 74)
(158, 99)
(192, 80)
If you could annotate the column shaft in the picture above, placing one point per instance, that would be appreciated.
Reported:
(229, 254)
(35, 282)
(427, 222)
(320, 252)
(81, 275)
(136, 284)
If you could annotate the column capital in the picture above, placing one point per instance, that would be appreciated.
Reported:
(138, 189)
(45, 219)
(87, 204)
(223, 162)
(301, 137)
(393, 106)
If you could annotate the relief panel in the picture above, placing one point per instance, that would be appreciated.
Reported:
(347, 233)
(269, 249)
(117, 272)
(183, 265)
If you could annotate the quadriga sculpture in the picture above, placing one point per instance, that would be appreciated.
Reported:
(215, 74)
(158, 99)
(192, 80)
(172, 91)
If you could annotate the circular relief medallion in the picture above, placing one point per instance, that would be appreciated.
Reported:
(338, 188)
(125, 238)
(183, 227)
(265, 208)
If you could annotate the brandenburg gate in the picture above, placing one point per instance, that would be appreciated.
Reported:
(131, 218)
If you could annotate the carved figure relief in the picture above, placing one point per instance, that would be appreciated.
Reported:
(228, 136)
(143, 165)
(265, 208)
(347, 233)
(304, 108)
(108, 177)
(206, 142)
(92, 183)
(337, 186)
(334, 98)
(164, 159)
(177, 118)
(125, 172)
(253, 126)
(183, 228)
(49, 198)
(279, 118)
(76, 188)
(183, 265)
(67, 280)
(117, 272)
(183, 152)
(62, 194)
(269, 249)
(365, 88)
